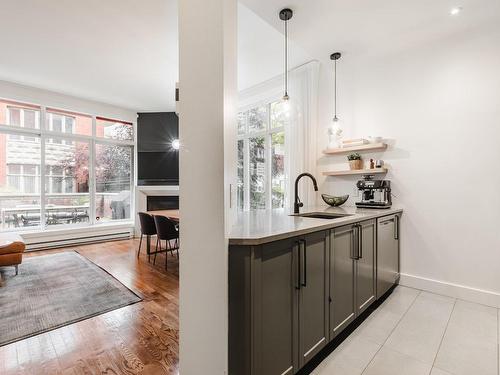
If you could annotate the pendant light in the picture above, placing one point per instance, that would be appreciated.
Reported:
(334, 130)
(335, 56)
(285, 15)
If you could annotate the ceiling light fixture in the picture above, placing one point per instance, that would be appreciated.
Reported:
(456, 10)
(285, 15)
(176, 144)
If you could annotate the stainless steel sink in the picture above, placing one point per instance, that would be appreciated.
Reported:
(322, 215)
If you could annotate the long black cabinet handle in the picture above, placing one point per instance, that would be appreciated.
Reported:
(360, 241)
(298, 266)
(353, 243)
(304, 265)
(396, 227)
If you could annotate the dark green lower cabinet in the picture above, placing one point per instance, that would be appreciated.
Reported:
(313, 295)
(275, 308)
(278, 305)
(387, 253)
(289, 298)
(263, 310)
(342, 271)
(366, 286)
(352, 273)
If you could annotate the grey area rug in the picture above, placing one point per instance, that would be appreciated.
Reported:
(55, 290)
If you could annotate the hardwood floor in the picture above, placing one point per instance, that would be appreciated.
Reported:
(137, 339)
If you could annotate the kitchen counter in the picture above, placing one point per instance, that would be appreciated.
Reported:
(263, 226)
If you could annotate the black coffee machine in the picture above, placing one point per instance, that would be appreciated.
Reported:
(374, 193)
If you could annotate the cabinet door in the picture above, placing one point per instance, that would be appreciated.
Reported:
(365, 265)
(342, 263)
(313, 295)
(275, 309)
(387, 253)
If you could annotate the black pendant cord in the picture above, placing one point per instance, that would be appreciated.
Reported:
(335, 56)
(286, 61)
(285, 15)
(335, 90)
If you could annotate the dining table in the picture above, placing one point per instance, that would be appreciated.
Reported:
(171, 214)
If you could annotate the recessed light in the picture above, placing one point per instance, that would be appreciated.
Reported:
(456, 10)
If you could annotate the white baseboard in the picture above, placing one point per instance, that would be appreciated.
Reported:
(60, 237)
(484, 297)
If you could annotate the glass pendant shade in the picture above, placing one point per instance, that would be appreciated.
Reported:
(335, 133)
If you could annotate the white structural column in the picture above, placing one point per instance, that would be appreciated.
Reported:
(207, 82)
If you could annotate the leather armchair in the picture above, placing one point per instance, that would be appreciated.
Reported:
(11, 250)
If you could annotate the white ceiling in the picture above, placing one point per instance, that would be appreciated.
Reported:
(368, 27)
(124, 53)
(117, 51)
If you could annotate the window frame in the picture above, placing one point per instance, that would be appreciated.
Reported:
(267, 134)
(22, 114)
(44, 133)
(23, 175)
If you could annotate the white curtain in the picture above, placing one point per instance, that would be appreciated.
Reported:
(301, 135)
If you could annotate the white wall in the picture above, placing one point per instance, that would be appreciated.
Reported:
(439, 104)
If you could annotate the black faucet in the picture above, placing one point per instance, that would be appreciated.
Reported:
(297, 203)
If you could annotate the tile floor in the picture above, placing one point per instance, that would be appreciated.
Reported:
(418, 333)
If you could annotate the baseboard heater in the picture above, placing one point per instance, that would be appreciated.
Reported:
(78, 240)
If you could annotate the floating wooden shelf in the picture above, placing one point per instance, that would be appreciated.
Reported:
(356, 172)
(346, 150)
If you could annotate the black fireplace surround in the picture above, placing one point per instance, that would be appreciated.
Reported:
(167, 202)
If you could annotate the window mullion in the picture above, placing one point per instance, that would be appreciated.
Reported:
(19, 130)
(246, 174)
(92, 178)
(43, 113)
(267, 146)
(94, 126)
(267, 169)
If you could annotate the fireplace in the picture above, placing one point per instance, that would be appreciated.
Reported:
(167, 202)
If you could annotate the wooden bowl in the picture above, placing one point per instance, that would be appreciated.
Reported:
(334, 201)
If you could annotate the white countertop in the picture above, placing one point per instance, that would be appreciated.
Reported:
(262, 226)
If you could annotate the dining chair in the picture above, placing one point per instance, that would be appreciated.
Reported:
(167, 231)
(148, 229)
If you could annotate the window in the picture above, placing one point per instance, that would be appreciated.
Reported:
(23, 178)
(84, 178)
(261, 157)
(113, 183)
(113, 129)
(68, 122)
(20, 192)
(278, 169)
(19, 115)
(67, 198)
(22, 117)
(65, 124)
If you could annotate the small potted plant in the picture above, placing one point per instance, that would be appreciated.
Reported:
(355, 161)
